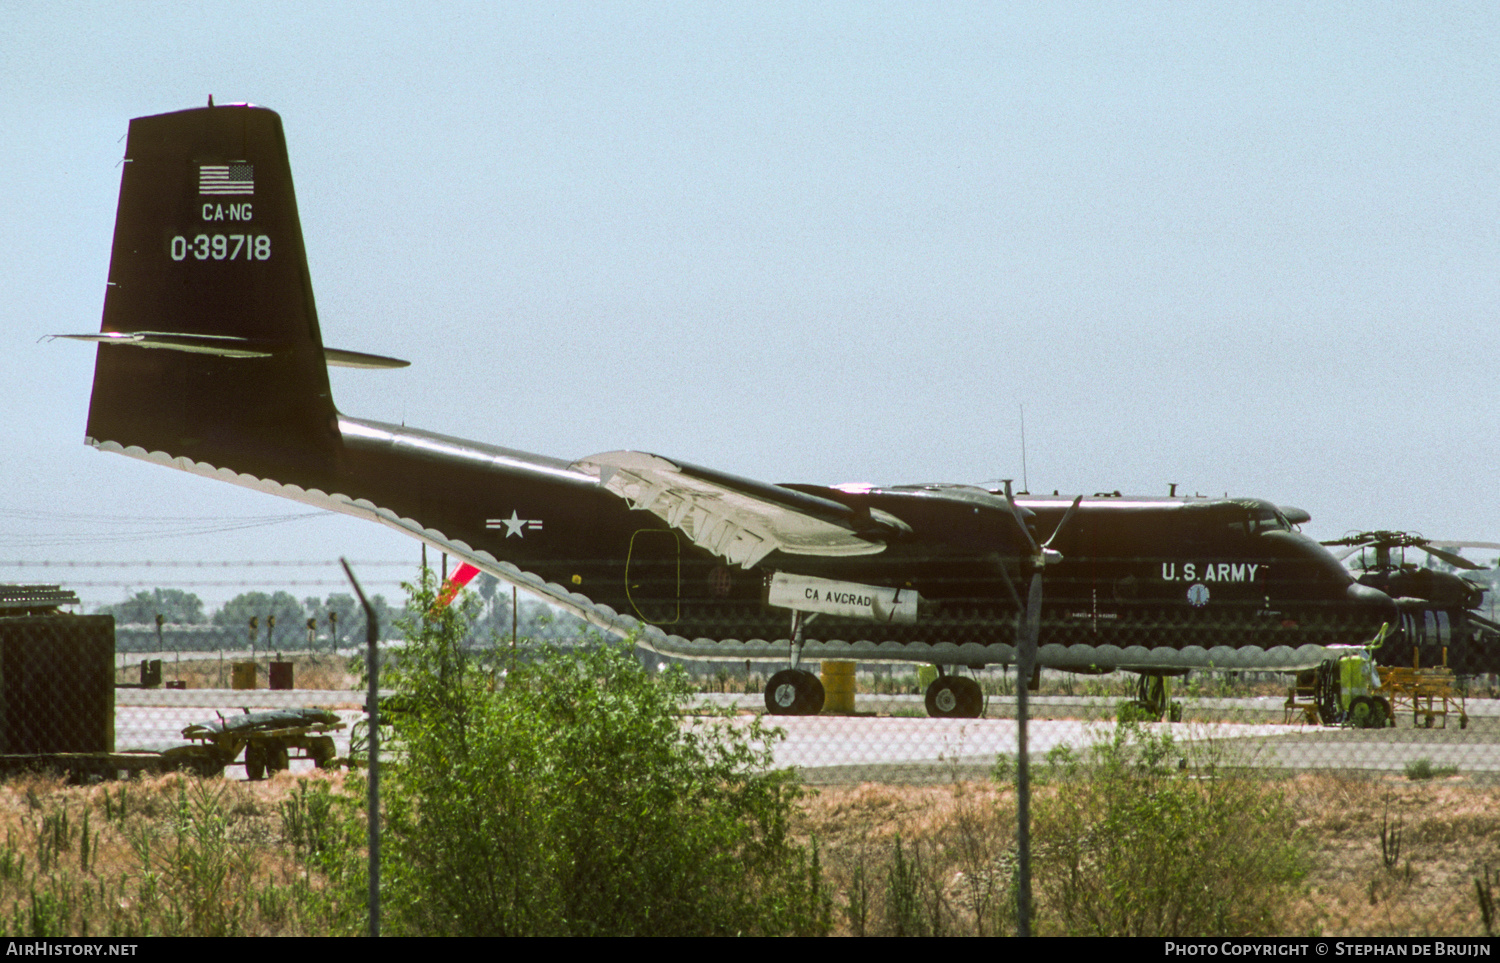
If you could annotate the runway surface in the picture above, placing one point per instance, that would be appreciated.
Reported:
(836, 749)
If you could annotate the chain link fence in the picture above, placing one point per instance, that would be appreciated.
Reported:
(189, 790)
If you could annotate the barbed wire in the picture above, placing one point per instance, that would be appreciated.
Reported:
(175, 563)
(103, 530)
(230, 583)
(157, 572)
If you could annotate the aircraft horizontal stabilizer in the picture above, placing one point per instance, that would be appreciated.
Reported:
(221, 345)
(340, 358)
(740, 520)
(228, 346)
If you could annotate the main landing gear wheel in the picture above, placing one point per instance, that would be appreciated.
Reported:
(794, 692)
(954, 697)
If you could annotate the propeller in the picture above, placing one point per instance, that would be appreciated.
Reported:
(1041, 556)
(1026, 643)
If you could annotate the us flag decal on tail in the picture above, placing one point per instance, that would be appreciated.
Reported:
(236, 178)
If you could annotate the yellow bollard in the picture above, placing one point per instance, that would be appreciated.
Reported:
(244, 675)
(838, 686)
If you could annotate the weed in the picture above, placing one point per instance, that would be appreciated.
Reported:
(1422, 769)
(193, 869)
(1141, 847)
(86, 847)
(1060, 762)
(1390, 839)
(857, 909)
(981, 847)
(814, 916)
(905, 910)
(53, 838)
(1131, 713)
(307, 818)
(1484, 892)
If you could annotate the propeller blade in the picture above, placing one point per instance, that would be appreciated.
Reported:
(1020, 520)
(1067, 517)
(1034, 610)
(1029, 629)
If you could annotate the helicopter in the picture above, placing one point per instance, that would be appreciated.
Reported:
(1440, 620)
(210, 360)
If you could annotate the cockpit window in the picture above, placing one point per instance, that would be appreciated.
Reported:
(1241, 519)
(1267, 520)
(1208, 522)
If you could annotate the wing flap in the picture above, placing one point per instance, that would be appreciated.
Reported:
(737, 519)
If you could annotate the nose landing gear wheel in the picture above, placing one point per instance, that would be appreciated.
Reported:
(794, 692)
(954, 697)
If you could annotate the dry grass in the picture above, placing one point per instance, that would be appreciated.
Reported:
(964, 834)
(166, 855)
(953, 834)
(1449, 832)
(238, 872)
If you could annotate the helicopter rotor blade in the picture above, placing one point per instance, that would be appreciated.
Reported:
(1452, 558)
(1386, 540)
(1348, 551)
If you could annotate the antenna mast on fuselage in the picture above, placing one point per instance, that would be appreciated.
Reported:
(1025, 484)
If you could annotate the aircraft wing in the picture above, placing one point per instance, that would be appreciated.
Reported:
(737, 519)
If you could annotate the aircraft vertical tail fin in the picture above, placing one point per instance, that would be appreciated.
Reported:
(208, 269)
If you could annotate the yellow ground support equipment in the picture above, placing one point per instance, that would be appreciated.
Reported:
(1346, 690)
(1428, 693)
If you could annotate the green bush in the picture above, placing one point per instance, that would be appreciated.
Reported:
(572, 797)
(1132, 843)
(1421, 769)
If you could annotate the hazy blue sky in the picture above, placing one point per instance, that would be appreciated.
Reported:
(1242, 247)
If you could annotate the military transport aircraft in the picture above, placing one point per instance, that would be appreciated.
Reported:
(210, 360)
